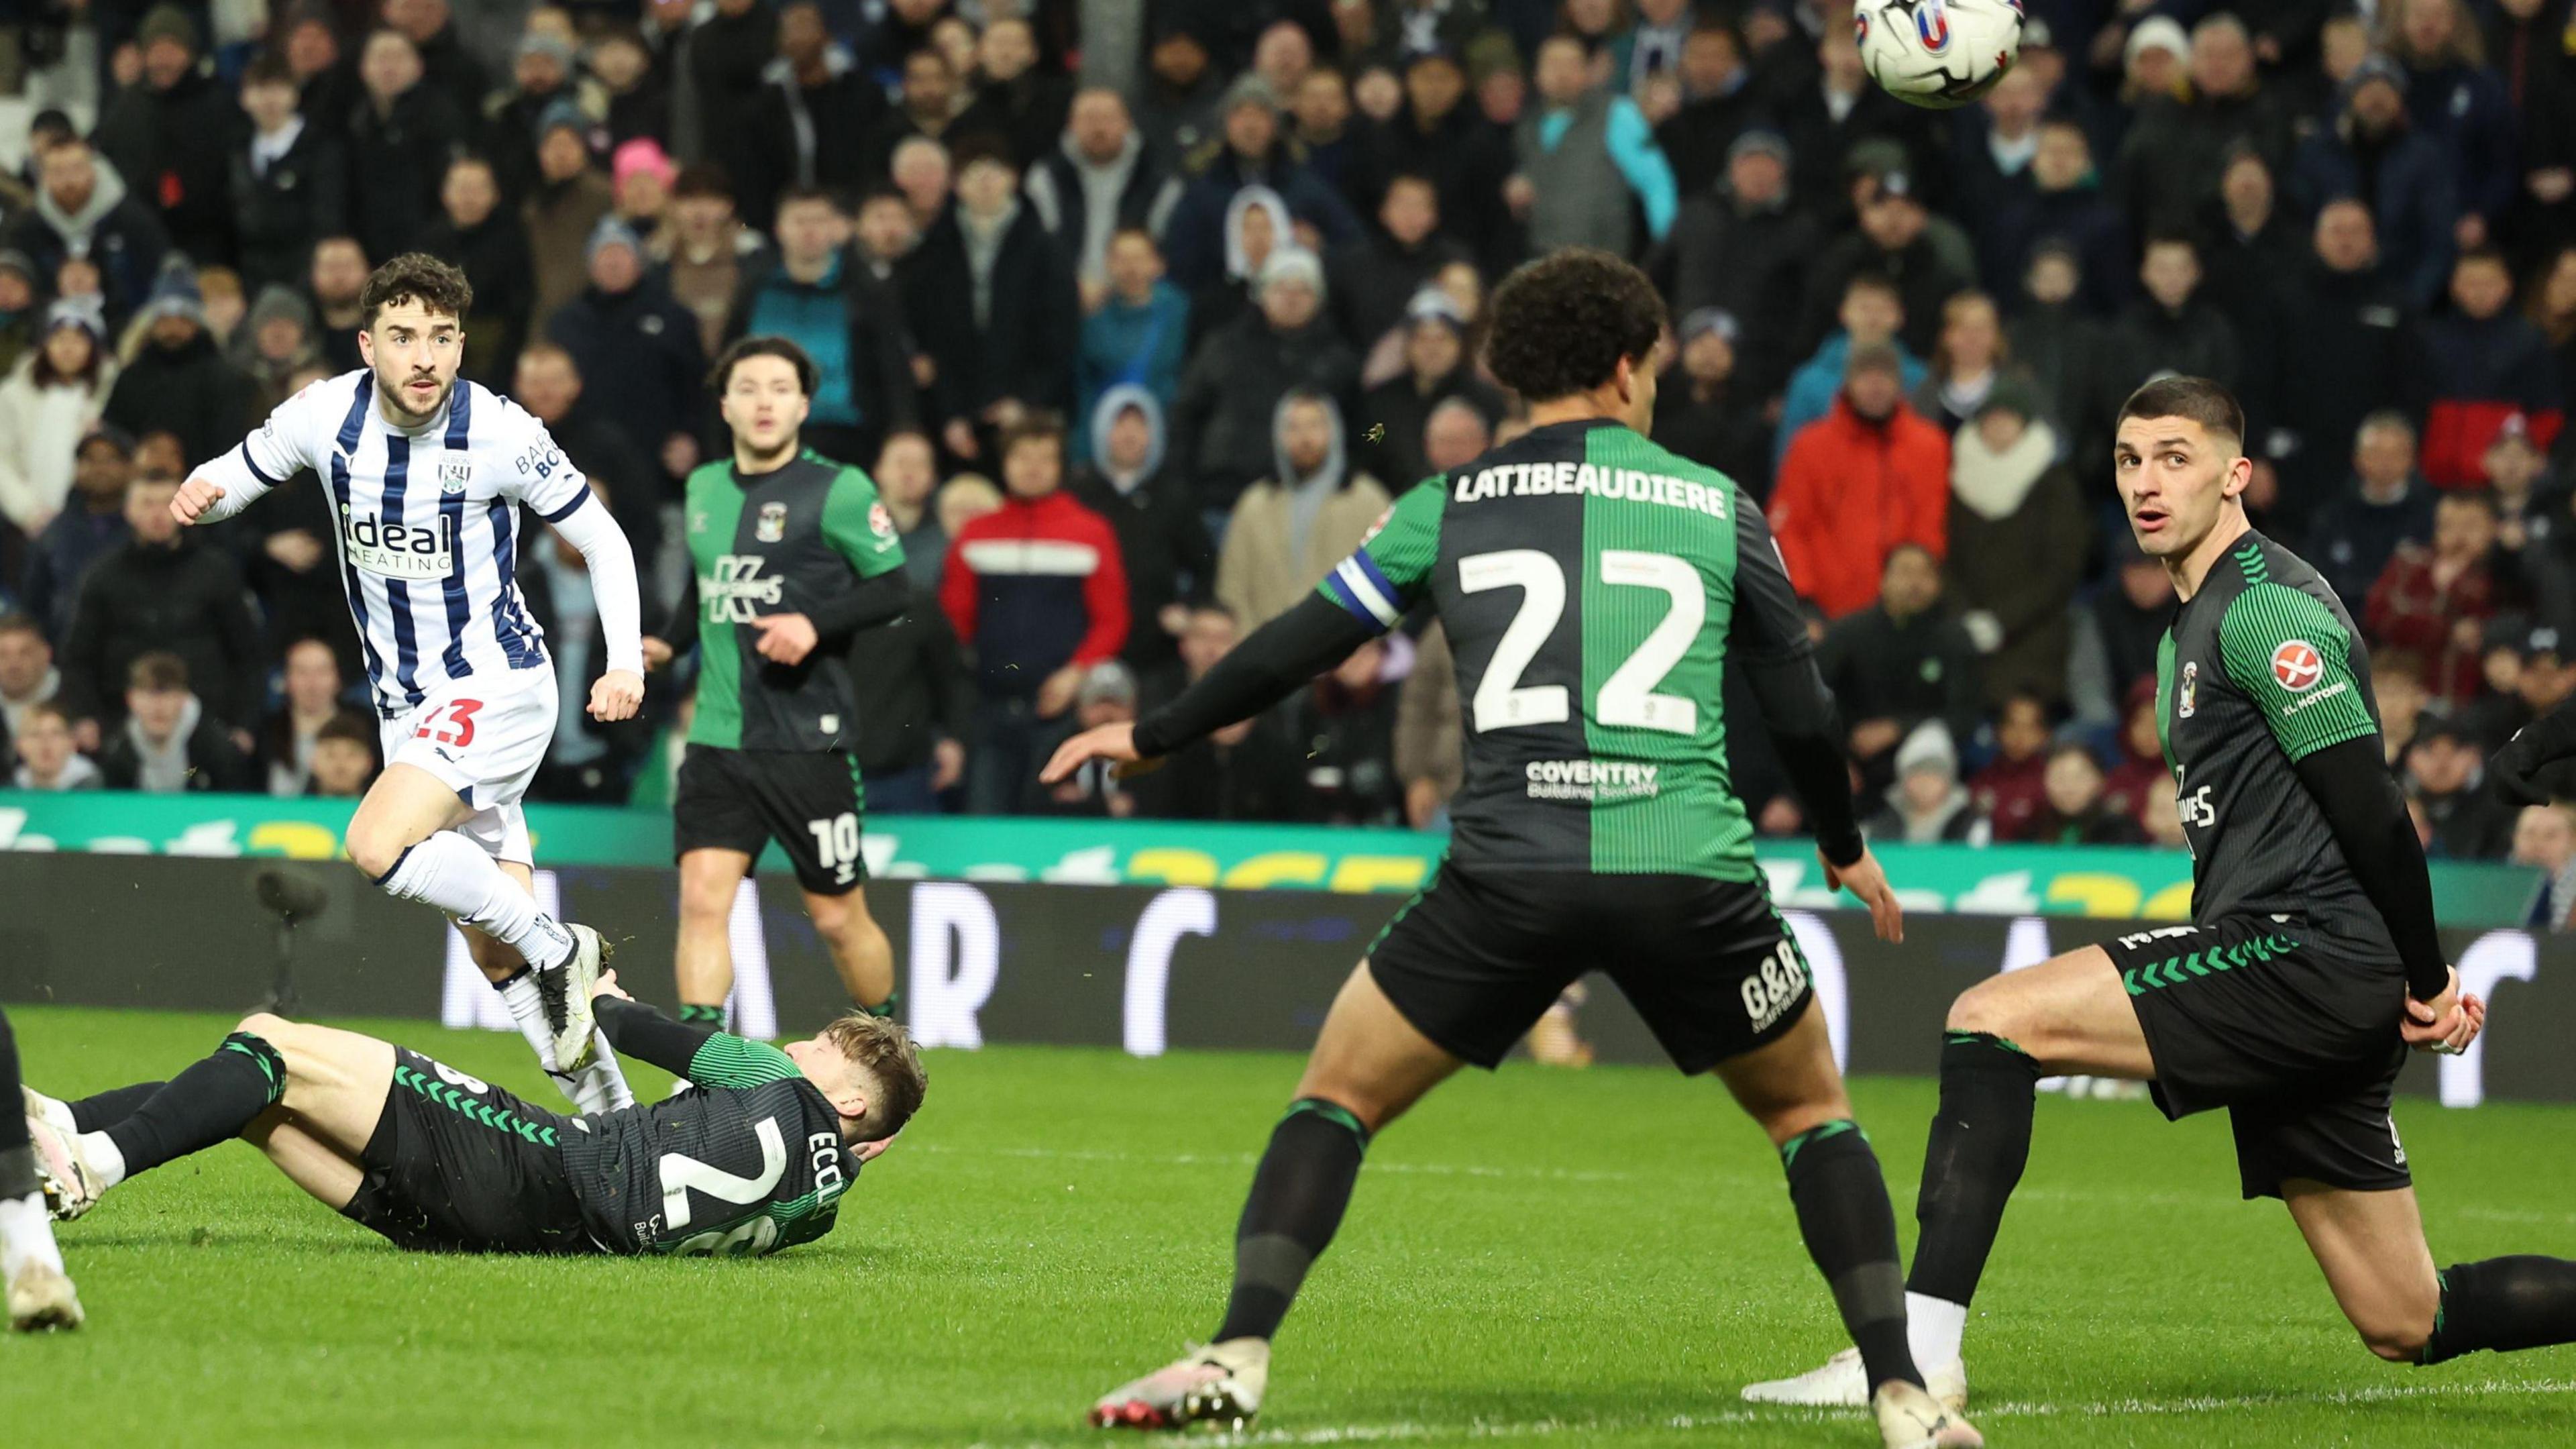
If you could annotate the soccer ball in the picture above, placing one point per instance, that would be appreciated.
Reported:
(1938, 54)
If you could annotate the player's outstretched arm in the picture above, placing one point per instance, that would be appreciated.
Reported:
(223, 486)
(2546, 741)
(1280, 658)
(702, 1054)
(638, 1031)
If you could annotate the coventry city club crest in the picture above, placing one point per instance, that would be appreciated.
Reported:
(2190, 690)
(772, 523)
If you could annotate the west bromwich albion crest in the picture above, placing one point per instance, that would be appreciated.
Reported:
(454, 474)
(772, 523)
(2190, 689)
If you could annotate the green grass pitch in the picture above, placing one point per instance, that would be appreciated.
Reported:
(1594, 1258)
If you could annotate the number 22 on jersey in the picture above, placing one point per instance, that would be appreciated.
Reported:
(1627, 698)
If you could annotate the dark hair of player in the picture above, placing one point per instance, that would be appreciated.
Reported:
(2207, 403)
(1562, 323)
(156, 672)
(416, 277)
(885, 1051)
(807, 374)
(1038, 425)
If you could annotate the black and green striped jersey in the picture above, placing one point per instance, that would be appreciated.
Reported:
(748, 1163)
(1593, 587)
(2260, 669)
(784, 542)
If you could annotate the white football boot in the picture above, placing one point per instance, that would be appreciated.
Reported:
(566, 991)
(71, 1188)
(1840, 1383)
(41, 1298)
(53, 1113)
(1908, 1418)
(1219, 1385)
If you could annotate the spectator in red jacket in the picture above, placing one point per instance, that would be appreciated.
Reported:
(2486, 362)
(2436, 600)
(1038, 592)
(1857, 482)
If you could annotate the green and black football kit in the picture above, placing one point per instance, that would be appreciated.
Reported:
(748, 1163)
(1595, 589)
(2282, 1001)
(769, 755)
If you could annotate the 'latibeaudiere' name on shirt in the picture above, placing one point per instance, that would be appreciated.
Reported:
(1518, 480)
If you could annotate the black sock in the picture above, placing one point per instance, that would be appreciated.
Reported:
(17, 1153)
(97, 1114)
(702, 1015)
(1980, 1143)
(2503, 1304)
(208, 1103)
(1298, 1194)
(1850, 1229)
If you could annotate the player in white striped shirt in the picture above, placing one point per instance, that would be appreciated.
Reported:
(426, 477)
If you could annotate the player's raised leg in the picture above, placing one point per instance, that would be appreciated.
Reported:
(328, 1085)
(2371, 1246)
(405, 837)
(39, 1293)
(597, 1083)
(1368, 1067)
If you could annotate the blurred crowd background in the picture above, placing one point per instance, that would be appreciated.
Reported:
(1217, 270)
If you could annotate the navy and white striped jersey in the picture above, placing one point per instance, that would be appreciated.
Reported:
(427, 525)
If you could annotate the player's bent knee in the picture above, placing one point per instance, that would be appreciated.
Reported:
(1984, 1007)
(373, 848)
(267, 1026)
(2397, 1342)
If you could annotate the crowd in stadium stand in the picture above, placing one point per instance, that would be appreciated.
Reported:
(1241, 251)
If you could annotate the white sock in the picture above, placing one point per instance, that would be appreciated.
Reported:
(1933, 1328)
(528, 1008)
(26, 1236)
(452, 873)
(106, 1161)
(601, 1086)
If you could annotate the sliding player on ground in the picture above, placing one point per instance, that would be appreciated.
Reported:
(2310, 966)
(39, 1293)
(1594, 586)
(790, 553)
(427, 477)
(755, 1160)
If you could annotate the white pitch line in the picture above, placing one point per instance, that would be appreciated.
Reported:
(1402, 1430)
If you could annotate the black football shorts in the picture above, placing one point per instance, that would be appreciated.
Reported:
(2298, 1043)
(459, 1166)
(809, 802)
(1479, 954)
